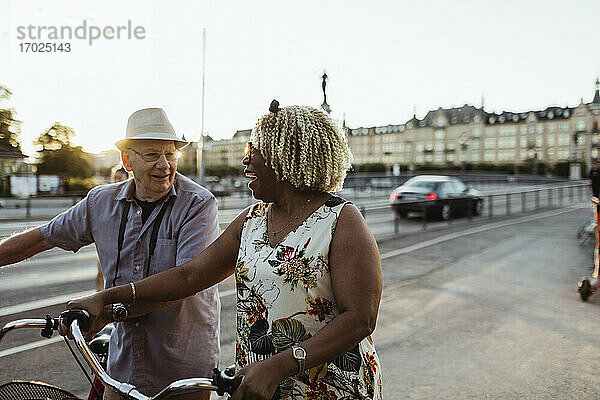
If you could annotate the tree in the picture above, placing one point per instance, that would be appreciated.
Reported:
(59, 157)
(9, 126)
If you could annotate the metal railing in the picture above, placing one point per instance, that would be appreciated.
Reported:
(544, 197)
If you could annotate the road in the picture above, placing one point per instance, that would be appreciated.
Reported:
(485, 309)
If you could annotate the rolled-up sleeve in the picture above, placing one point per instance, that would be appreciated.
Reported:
(199, 230)
(71, 230)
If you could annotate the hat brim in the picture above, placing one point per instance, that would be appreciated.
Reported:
(179, 144)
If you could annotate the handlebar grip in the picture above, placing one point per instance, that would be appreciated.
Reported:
(227, 382)
(82, 316)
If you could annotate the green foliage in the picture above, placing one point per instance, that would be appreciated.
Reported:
(59, 157)
(80, 185)
(371, 167)
(561, 169)
(9, 126)
(223, 171)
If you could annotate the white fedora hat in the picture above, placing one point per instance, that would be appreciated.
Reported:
(150, 124)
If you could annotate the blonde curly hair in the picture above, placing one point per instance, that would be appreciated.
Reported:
(303, 146)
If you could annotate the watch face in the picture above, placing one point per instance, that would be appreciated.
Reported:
(299, 353)
(119, 312)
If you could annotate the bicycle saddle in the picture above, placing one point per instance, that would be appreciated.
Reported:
(99, 344)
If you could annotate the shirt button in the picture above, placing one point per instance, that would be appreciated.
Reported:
(137, 267)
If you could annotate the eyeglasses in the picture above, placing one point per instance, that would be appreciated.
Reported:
(153, 156)
(250, 149)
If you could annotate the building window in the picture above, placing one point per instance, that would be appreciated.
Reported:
(489, 156)
(477, 132)
(475, 144)
(563, 154)
(489, 131)
(539, 128)
(439, 146)
(538, 140)
(523, 141)
(523, 129)
(564, 139)
(475, 156)
(439, 157)
(580, 125)
(439, 134)
(551, 140)
(490, 143)
(420, 146)
(451, 157)
(564, 126)
(523, 154)
(551, 127)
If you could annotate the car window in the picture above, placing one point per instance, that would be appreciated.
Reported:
(429, 185)
(460, 187)
(446, 188)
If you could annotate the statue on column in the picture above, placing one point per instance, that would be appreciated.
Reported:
(325, 106)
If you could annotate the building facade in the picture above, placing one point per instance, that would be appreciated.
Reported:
(464, 134)
(470, 134)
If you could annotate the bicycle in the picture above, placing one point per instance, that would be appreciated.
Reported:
(95, 355)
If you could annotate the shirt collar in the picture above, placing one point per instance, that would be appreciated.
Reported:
(128, 190)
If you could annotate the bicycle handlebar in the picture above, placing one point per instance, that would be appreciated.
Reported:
(222, 381)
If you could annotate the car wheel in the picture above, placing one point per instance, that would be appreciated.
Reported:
(445, 212)
(402, 214)
(478, 207)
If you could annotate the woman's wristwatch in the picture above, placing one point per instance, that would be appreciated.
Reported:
(299, 355)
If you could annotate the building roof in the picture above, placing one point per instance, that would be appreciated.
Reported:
(7, 152)
(243, 132)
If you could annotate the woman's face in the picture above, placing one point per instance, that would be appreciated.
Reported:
(263, 181)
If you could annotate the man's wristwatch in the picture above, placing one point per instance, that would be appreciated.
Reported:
(299, 355)
(119, 312)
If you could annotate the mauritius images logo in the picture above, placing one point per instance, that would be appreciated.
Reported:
(85, 31)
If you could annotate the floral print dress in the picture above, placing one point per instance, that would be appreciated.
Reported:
(284, 296)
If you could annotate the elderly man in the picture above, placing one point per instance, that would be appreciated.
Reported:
(155, 221)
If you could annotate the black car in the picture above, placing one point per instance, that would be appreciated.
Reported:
(437, 195)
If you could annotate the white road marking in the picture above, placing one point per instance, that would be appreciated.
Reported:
(472, 231)
(32, 305)
(29, 346)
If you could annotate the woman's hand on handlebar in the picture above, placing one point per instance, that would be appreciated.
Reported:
(100, 314)
(260, 380)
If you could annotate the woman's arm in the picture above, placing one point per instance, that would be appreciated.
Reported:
(211, 266)
(357, 281)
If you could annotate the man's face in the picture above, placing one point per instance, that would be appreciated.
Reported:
(153, 163)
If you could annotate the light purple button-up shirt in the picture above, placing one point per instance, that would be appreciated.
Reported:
(177, 342)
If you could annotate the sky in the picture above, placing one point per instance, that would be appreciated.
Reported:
(383, 59)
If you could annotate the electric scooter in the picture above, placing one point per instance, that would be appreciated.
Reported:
(589, 285)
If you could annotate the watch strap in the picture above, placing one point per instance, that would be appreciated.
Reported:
(299, 355)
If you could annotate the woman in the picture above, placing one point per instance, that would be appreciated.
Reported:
(307, 268)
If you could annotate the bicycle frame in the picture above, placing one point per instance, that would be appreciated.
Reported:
(221, 382)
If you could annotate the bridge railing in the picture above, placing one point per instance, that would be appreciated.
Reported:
(545, 196)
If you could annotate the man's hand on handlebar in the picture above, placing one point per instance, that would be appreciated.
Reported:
(100, 314)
